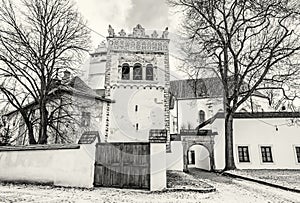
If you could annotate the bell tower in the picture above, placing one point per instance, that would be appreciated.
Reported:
(137, 79)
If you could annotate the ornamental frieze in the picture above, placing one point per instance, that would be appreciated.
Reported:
(138, 40)
(133, 58)
(132, 44)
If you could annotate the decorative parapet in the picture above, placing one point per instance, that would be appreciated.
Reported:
(138, 32)
(158, 136)
(138, 40)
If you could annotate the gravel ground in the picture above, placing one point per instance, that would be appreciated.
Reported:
(229, 190)
(287, 178)
(179, 180)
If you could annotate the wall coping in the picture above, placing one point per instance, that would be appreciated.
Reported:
(245, 115)
(39, 147)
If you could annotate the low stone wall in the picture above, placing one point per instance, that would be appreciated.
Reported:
(60, 165)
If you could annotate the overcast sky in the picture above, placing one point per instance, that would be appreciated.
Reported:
(126, 14)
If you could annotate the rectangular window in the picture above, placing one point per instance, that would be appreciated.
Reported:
(266, 154)
(243, 154)
(137, 126)
(85, 119)
(298, 154)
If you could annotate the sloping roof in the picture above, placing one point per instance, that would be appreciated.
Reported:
(200, 88)
(76, 87)
(249, 115)
(194, 88)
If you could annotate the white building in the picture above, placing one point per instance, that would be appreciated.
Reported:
(136, 78)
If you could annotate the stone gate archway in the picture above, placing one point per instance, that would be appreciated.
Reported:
(205, 141)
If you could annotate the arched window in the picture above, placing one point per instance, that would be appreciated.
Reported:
(149, 72)
(137, 72)
(201, 116)
(125, 71)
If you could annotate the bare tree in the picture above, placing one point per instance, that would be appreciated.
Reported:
(39, 39)
(250, 44)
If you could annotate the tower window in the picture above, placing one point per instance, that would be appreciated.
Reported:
(137, 72)
(149, 72)
(136, 107)
(201, 116)
(125, 72)
(137, 126)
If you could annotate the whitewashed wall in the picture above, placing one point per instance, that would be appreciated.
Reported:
(124, 117)
(188, 111)
(64, 167)
(175, 158)
(256, 132)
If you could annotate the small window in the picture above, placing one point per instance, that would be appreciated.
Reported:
(298, 154)
(243, 154)
(149, 72)
(136, 108)
(266, 155)
(85, 119)
(201, 116)
(192, 157)
(137, 126)
(125, 72)
(137, 72)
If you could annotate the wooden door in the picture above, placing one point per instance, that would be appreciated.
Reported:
(123, 165)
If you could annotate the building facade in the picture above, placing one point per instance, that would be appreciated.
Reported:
(137, 80)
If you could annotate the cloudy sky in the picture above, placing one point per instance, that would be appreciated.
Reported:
(126, 14)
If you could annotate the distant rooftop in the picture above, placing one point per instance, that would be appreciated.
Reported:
(204, 87)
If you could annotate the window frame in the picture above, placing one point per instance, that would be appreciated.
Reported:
(266, 160)
(245, 154)
(297, 153)
(122, 72)
(135, 67)
(149, 66)
(201, 115)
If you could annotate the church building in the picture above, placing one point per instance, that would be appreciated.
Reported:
(132, 70)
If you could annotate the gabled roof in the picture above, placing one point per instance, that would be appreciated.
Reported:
(76, 87)
(196, 88)
(201, 88)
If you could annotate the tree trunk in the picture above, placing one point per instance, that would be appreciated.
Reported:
(229, 155)
(31, 134)
(43, 123)
(29, 128)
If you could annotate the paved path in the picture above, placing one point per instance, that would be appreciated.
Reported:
(228, 191)
(237, 190)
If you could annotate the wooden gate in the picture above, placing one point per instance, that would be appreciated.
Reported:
(123, 165)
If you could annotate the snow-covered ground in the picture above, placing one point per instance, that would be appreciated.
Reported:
(286, 178)
(228, 190)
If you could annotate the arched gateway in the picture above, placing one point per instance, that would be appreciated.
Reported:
(191, 138)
